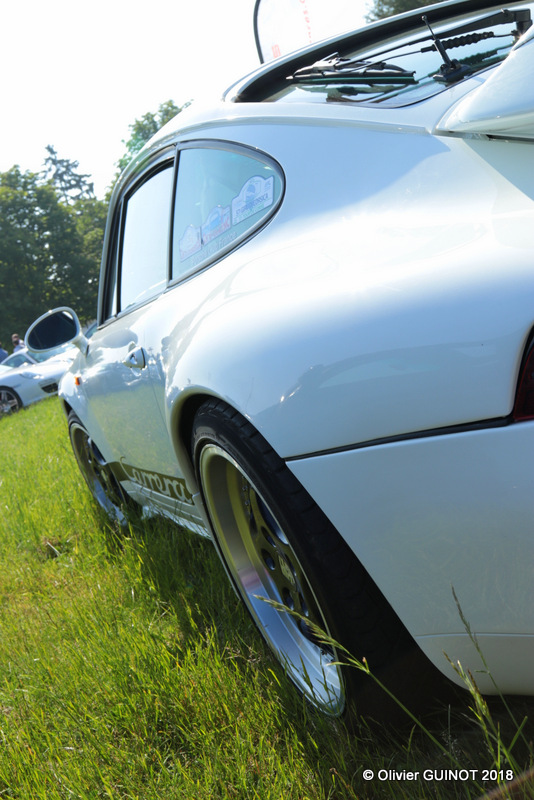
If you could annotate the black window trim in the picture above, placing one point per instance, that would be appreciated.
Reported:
(164, 159)
(108, 311)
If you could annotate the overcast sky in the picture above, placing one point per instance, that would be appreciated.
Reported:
(76, 75)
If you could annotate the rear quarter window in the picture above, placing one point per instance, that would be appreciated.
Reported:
(222, 197)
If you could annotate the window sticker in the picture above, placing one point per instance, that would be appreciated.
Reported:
(256, 195)
(217, 223)
(190, 243)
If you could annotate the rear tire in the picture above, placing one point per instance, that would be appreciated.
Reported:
(277, 545)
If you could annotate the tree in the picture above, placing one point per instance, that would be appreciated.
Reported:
(52, 231)
(143, 129)
(70, 184)
(49, 250)
(387, 8)
(23, 249)
(91, 215)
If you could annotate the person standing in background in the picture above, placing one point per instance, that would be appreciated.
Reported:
(17, 342)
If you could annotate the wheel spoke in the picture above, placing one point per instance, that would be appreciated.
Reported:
(276, 553)
(8, 402)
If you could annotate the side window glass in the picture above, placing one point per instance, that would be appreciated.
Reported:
(222, 196)
(145, 241)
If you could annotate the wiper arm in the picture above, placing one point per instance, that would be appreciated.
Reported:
(337, 69)
(521, 17)
(351, 70)
(451, 70)
(460, 41)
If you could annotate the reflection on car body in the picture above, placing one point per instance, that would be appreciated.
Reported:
(314, 344)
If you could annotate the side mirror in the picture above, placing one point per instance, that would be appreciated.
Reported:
(57, 327)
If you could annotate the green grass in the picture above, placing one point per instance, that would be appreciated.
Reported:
(128, 668)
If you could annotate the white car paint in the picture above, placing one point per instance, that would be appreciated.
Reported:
(31, 381)
(372, 331)
(435, 517)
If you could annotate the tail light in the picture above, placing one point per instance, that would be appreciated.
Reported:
(524, 399)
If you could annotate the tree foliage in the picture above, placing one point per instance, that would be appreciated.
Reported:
(50, 247)
(69, 183)
(143, 129)
(387, 8)
(51, 233)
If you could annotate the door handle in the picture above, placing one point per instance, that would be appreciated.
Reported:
(135, 359)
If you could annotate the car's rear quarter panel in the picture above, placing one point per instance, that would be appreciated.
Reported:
(392, 292)
(441, 516)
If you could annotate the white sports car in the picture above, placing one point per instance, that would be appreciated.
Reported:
(314, 344)
(25, 379)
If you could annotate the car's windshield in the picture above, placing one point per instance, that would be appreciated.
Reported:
(23, 357)
(408, 69)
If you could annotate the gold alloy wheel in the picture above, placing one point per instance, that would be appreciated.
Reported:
(266, 571)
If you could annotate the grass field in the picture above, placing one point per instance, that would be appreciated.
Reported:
(128, 668)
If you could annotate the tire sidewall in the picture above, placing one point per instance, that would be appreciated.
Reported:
(272, 479)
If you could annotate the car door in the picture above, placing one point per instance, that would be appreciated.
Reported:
(117, 380)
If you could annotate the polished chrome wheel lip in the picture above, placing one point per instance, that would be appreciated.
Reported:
(263, 576)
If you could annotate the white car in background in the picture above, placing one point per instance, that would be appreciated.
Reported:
(315, 345)
(27, 378)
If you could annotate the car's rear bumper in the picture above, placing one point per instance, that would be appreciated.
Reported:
(445, 526)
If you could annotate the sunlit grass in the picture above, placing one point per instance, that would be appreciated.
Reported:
(129, 669)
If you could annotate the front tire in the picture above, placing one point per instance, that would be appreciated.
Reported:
(97, 473)
(9, 401)
(278, 546)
